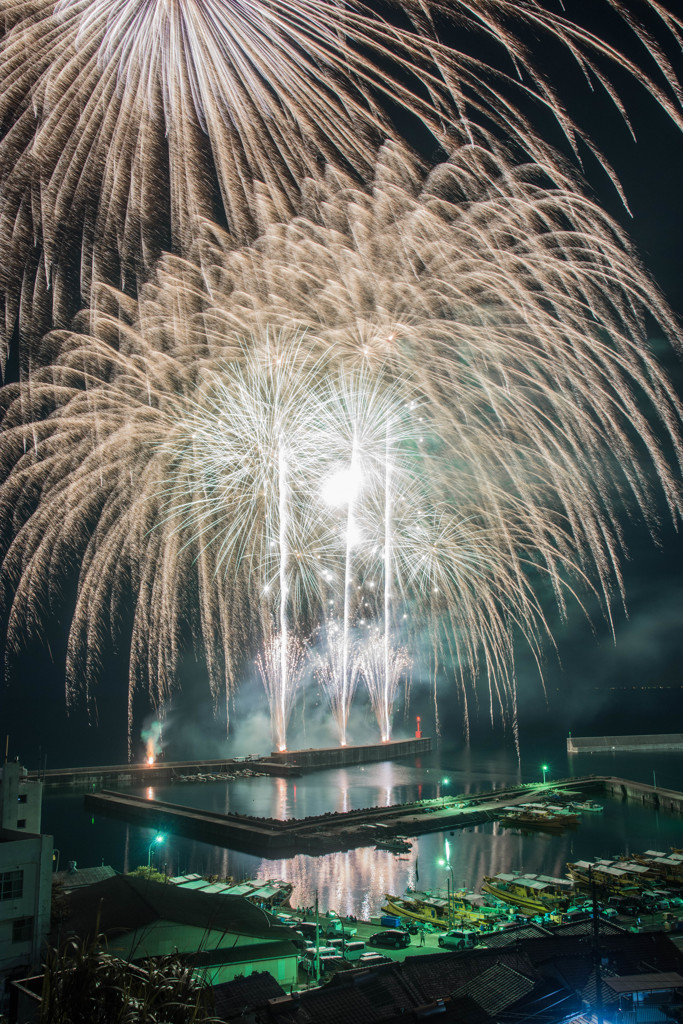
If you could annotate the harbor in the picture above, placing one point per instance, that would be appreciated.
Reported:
(337, 831)
(479, 845)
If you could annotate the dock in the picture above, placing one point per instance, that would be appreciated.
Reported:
(336, 831)
(605, 744)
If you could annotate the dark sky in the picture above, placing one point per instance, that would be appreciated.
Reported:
(633, 685)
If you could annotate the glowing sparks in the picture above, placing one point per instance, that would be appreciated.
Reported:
(177, 448)
(383, 664)
(280, 666)
(127, 122)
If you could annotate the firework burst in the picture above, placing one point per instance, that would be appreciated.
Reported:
(490, 328)
(124, 121)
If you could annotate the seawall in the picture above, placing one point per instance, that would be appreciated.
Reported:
(602, 744)
(338, 757)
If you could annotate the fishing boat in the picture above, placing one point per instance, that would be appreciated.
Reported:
(586, 805)
(540, 817)
(395, 845)
(533, 894)
(427, 910)
(466, 908)
(666, 867)
(618, 877)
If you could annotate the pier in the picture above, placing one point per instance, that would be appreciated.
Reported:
(335, 831)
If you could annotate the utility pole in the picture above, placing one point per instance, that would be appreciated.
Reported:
(596, 949)
(317, 941)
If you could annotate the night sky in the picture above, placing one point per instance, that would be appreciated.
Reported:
(593, 685)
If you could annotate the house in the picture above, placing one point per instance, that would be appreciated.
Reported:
(222, 936)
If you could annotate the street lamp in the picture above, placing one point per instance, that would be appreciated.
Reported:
(449, 883)
(544, 768)
(444, 783)
(155, 842)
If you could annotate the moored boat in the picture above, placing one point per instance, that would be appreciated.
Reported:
(532, 894)
(586, 805)
(667, 867)
(394, 845)
(618, 877)
(539, 817)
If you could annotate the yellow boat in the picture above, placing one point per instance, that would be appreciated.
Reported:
(433, 910)
(429, 910)
(532, 894)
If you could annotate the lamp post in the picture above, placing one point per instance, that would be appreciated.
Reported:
(544, 768)
(450, 884)
(155, 842)
(444, 782)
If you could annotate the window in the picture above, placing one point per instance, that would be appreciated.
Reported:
(22, 929)
(11, 885)
(21, 822)
(22, 798)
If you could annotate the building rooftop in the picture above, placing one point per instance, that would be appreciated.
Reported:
(123, 903)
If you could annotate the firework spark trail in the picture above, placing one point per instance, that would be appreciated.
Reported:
(280, 683)
(337, 669)
(382, 675)
(125, 120)
(144, 457)
(348, 578)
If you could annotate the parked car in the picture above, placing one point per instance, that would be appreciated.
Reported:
(372, 959)
(309, 930)
(458, 938)
(326, 954)
(393, 938)
(354, 950)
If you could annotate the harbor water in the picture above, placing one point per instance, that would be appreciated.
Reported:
(355, 882)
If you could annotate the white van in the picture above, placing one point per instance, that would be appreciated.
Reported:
(326, 953)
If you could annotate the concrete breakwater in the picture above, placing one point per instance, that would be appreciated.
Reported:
(335, 831)
(323, 833)
(282, 763)
(339, 757)
(653, 796)
(602, 744)
(153, 774)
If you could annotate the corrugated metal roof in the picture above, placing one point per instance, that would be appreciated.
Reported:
(644, 982)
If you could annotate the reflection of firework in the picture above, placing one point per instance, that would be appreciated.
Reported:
(149, 456)
(281, 666)
(125, 120)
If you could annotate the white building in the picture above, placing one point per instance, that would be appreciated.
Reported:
(20, 799)
(25, 876)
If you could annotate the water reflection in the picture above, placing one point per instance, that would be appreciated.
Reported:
(356, 882)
